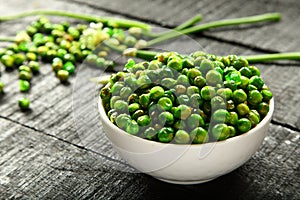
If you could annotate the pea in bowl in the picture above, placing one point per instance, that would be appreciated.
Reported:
(185, 163)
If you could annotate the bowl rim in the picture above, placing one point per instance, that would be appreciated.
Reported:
(265, 120)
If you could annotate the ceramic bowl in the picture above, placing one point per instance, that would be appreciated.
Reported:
(190, 163)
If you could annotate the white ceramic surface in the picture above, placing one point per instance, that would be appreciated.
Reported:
(186, 164)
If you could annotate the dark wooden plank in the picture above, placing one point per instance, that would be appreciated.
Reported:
(276, 36)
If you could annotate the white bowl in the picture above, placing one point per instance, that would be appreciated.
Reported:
(185, 164)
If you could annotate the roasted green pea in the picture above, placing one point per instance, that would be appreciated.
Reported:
(134, 107)
(150, 133)
(199, 81)
(230, 105)
(194, 121)
(183, 99)
(24, 68)
(143, 81)
(267, 95)
(263, 108)
(244, 82)
(7, 61)
(230, 84)
(69, 58)
(221, 116)
(182, 112)
(256, 81)
(217, 102)
(180, 125)
(153, 65)
(168, 82)
(254, 118)
(193, 73)
(166, 118)
(57, 64)
(205, 66)
(232, 131)
(183, 80)
(254, 97)
(156, 92)
(199, 135)
(254, 71)
(188, 62)
(166, 134)
(69, 66)
(116, 88)
(180, 89)
(251, 87)
(132, 127)
(245, 71)
(225, 93)
(122, 120)
(192, 90)
(62, 75)
(24, 85)
(62, 52)
(242, 109)
(233, 118)
(19, 58)
(175, 64)
(24, 103)
(244, 125)
(34, 66)
(125, 92)
(196, 101)
(121, 106)
(213, 78)
(208, 92)
(24, 75)
(220, 132)
(239, 96)
(143, 120)
(133, 98)
(170, 94)
(144, 100)
(113, 100)
(181, 137)
(165, 103)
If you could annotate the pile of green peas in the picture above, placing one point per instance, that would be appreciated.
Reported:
(63, 46)
(179, 99)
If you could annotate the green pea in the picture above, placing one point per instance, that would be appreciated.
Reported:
(2, 85)
(166, 118)
(188, 62)
(180, 124)
(217, 102)
(208, 92)
(105, 94)
(69, 66)
(194, 121)
(196, 101)
(24, 68)
(34, 66)
(221, 116)
(220, 132)
(232, 131)
(199, 135)
(150, 133)
(183, 99)
(213, 78)
(239, 96)
(24, 103)
(205, 66)
(192, 90)
(62, 52)
(256, 81)
(134, 107)
(225, 61)
(130, 41)
(137, 114)
(7, 61)
(255, 97)
(156, 92)
(199, 81)
(168, 82)
(244, 82)
(153, 65)
(143, 120)
(181, 137)
(113, 100)
(122, 120)
(182, 112)
(267, 95)
(143, 81)
(242, 109)
(133, 98)
(165, 103)
(245, 71)
(244, 125)
(183, 80)
(254, 71)
(218, 64)
(63, 75)
(125, 92)
(166, 134)
(144, 100)
(19, 58)
(251, 87)
(263, 108)
(24, 75)
(225, 93)
(24, 85)
(193, 73)
(254, 118)
(121, 106)
(233, 118)
(175, 64)
(132, 127)
(69, 57)
(180, 89)
(116, 88)
(230, 84)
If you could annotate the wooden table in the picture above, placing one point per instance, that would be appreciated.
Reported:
(58, 149)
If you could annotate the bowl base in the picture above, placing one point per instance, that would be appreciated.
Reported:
(191, 182)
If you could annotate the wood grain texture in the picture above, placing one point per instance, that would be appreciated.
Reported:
(59, 151)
